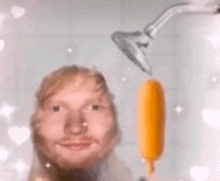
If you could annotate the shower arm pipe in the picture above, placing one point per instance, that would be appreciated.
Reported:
(152, 28)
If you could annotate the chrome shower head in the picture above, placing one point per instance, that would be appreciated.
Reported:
(130, 44)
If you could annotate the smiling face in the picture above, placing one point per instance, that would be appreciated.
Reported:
(75, 128)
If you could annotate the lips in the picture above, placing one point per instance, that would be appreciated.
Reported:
(76, 146)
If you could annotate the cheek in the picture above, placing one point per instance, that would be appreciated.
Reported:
(102, 128)
(50, 128)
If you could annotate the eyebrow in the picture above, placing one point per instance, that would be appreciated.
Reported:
(50, 101)
(99, 98)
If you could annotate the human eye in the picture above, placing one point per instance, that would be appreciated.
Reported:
(95, 107)
(57, 108)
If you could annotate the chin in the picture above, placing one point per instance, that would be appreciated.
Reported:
(71, 165)
(68, 160)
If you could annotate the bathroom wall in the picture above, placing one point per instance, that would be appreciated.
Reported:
(38, 36)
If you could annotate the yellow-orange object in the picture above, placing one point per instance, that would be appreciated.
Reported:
(151, 122)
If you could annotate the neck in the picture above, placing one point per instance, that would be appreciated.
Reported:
(77, 175)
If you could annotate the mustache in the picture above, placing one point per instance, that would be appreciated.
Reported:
(65, 139)
(77, 139)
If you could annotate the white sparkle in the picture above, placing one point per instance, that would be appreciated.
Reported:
(3, 153)
(20, 166)
(48, 165)
(85, 124)
(178, 109)
(6, 110)
(143, 160)
(123, 79)
(70, 50)
(214, 79)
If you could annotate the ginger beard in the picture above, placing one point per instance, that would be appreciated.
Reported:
(51, 133)
(53, 152)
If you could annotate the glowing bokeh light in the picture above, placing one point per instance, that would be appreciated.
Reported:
(3, 153)
(214, 39)
(2, 44)
(211, 117)
(143, 160)
(182, 179)
(211, 110)
(6, 110)
(212, 35)
(214, 79)
(123, 79)
(2, 17)
(20, 166)
(178, 109)
(199, 173)
(48, 165)
(19, 134)
(17, 11)
(70, 50)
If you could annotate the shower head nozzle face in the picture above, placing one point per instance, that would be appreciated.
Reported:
(130, 44)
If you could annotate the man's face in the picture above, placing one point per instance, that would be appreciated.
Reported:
(61, 132)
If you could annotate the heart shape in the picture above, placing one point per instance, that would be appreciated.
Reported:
(3, 153)
(17, 11)
(2, 44)
(199, 173)
(211, 117)
(18, 135)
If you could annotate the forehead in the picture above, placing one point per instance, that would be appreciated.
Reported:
(81, 87)
(82, 83)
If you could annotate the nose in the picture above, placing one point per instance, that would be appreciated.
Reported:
(75, 123)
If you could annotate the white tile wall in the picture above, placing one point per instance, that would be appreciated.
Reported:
(95, 18)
